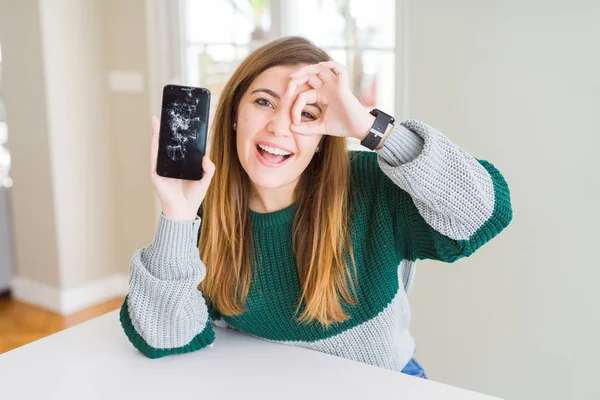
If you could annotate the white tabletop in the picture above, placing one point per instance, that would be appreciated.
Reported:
(94, 360)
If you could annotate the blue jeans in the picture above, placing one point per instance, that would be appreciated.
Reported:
(414, 368)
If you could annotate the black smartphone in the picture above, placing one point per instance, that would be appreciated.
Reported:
(183, 131)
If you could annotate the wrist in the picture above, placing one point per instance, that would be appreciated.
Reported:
(365, 126)
(178, 216)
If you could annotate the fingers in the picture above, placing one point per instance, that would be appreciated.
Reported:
(154, 145)
(327, 75)
(315, 69)
(308, 69)
(293, 85)
(315, 82)
(315, 74)
(304, 98)
(208, 166)
(309, 128)
(339, 69)
(312, 80)
(209, 171)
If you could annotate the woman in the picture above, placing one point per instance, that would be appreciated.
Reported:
(291, 238)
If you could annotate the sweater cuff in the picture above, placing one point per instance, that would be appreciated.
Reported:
(401, 146)
(175, 239)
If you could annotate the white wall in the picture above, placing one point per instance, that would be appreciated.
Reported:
(76, 99)
(32, 199)
(517, 83)
(82, 197)
(125, 49)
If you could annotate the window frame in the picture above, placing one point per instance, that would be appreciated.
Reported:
(166, 60)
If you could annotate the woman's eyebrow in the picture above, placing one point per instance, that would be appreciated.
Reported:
(275, 95)
(268, 91)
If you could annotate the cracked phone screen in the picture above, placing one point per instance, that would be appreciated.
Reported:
(183, 129)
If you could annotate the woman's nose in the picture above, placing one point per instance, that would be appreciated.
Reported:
(279, 125)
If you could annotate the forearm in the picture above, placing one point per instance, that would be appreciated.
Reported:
(457, 195)
(164, 312)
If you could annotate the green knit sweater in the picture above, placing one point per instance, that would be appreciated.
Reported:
(420, 197)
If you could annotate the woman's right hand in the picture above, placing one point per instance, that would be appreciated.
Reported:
(180, 198)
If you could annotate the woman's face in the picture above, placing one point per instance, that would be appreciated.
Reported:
(271, 154)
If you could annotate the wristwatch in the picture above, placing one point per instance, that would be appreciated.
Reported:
(377, 131)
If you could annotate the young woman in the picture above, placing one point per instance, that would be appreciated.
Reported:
(291, 238)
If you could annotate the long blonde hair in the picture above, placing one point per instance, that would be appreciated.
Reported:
(321, 233)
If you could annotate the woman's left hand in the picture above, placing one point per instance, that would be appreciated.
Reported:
(342, 113)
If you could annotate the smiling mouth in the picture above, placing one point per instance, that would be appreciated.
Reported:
(272, 158)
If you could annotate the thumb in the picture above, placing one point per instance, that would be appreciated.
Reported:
(154, 145)
(309, 128)
(209, 171)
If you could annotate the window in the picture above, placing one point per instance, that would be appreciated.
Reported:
(216, 35)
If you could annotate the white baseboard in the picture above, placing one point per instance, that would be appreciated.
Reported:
(68, 301)
(36, 293)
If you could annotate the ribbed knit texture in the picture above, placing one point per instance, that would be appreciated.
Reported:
(418, 197)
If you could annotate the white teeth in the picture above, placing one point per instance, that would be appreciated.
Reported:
(272, 150)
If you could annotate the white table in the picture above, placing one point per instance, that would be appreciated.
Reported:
(94, 360)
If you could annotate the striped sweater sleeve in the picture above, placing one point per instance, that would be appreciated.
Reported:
(164, 312)
(459, 202)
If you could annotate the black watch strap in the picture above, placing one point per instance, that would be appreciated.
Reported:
(377, 131)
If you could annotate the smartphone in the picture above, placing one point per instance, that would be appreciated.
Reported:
(183, 131)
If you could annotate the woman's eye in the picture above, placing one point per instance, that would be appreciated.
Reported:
(308, 115)
(263, 102)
